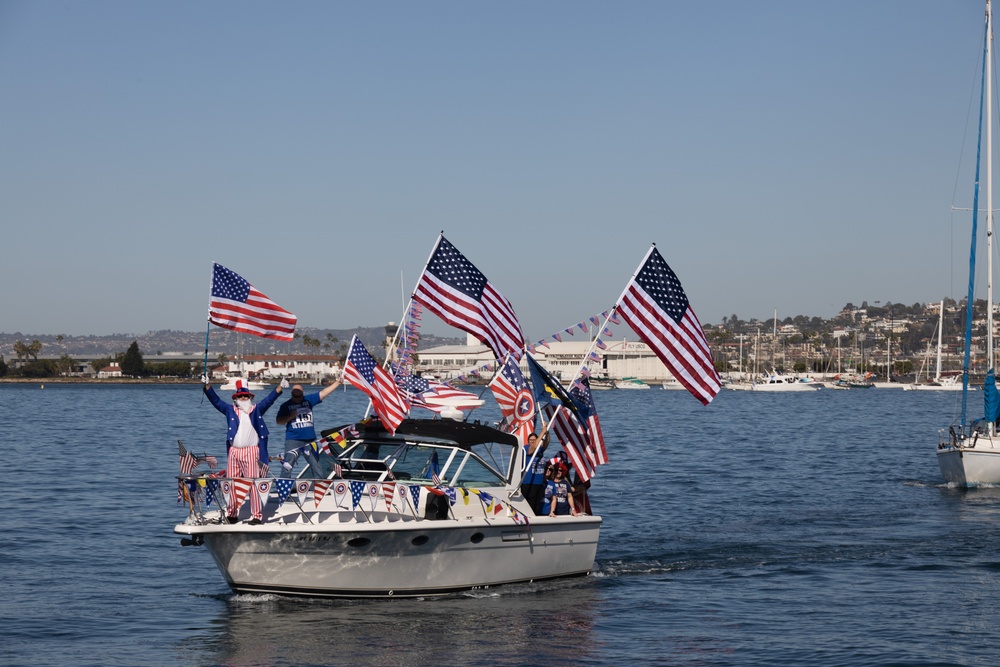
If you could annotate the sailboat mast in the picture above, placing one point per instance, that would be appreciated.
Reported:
(989, 187)
(937, 371)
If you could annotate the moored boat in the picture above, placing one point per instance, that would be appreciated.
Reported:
(968, 452)
(631, 383)
(779, 382)
(252, 385)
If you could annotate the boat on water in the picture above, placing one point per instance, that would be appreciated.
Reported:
(395, 506)
(601, 383)
(631, 383)
(968, 451)
(938, 382)
(433, 509)
(853, 381)
(671, 384)
(779, 382)
(252, 385)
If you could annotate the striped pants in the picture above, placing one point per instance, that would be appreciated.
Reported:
(244, 462)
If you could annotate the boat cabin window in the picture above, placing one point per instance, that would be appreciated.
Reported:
(418, 462)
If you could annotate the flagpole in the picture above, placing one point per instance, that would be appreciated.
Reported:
(208, 324)
(208, 327)
(406, 310)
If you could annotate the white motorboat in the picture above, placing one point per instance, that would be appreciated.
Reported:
(431, 510)
(631, 383)
(779, 382)
(968, 452)
(252, 385)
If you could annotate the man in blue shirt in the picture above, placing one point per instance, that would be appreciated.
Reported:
(296, 414)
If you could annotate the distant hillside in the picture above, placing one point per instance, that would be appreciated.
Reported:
(221, 341)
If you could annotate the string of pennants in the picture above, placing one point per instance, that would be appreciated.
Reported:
(322, 445)
(397, 496)
(593, 357)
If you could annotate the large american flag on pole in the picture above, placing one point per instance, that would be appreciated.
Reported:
(657, 309)
(362, 371)
(235, 304)
(514, 398)
(452, 288)
(587, 412)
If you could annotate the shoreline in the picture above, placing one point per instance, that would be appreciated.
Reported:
(64, 380)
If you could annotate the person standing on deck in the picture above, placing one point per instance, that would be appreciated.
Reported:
(246, 440)
(533, 482)
(296, 415)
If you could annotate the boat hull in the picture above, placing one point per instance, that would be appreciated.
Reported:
(393, 559)
(970, 466)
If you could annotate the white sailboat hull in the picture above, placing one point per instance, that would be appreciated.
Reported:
(970, 466)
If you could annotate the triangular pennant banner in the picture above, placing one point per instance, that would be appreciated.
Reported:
(241, 487)
(302, 489)
(320, 487)
(339, 492)
(357, 490)
(284, 489)
(264, 489)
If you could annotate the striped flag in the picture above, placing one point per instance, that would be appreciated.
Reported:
(363, 372)
(655, 306)
(452, 288)
(422, 393)
(573, 437)
(235, 304)
(587, 412)
(188, 462)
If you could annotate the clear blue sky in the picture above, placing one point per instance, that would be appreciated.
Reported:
(782, 154)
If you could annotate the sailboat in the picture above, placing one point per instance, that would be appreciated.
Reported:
(968, 452)
(938, 383)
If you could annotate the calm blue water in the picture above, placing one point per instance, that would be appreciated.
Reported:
(765, 529)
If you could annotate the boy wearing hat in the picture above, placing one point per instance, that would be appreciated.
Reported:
(296, 414)
(246, 440)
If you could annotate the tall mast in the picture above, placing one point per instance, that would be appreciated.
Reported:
(937, 370)
(989, 186)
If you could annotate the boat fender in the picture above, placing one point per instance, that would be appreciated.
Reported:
(195, 541)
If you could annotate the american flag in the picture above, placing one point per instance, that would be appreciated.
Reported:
(363, 372)
(452, 288)
(574, 439)
(417, 390)
(434, 468)
(655, 306)
(237, 305)
(514, 398)
(188, 462)
(587, 411)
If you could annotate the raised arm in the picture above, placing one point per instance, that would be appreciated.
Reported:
(329, 389)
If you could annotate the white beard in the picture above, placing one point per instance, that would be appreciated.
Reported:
(244, 404)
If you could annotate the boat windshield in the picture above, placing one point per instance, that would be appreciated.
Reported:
(384, 459)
